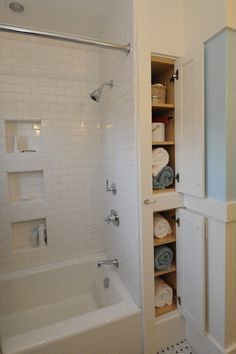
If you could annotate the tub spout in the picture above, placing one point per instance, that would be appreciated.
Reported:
(113, 262)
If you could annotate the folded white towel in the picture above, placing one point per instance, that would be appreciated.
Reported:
(163, 293)
(161, 227)
(160, 159)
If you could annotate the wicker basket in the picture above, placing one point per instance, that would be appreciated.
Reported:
(158, 93)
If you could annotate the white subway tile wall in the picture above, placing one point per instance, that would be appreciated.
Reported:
(48, 82)
(119, 147)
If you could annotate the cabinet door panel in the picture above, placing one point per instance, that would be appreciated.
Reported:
(191, 267)
(189, 103)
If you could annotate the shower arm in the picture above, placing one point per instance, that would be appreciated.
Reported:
(107, 83)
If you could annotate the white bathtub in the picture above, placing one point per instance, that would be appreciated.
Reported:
(64, 308)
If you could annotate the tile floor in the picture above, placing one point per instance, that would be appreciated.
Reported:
(182, 347)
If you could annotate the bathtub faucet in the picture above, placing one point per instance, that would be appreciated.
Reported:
(113, 262)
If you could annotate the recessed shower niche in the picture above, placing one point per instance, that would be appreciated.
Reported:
(29, 234)
(25, 186)
(22, 136)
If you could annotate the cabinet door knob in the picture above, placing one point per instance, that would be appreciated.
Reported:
(147, 202)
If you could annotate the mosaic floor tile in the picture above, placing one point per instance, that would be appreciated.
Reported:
(182, 347)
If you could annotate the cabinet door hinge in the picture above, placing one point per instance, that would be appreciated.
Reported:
(176, 220)
(179, 300)
(177, 177)
(175, 76)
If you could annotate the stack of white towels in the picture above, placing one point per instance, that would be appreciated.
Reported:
(163, 293)
(161, 227)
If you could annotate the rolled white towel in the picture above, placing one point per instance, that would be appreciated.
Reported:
(163, 293)
(160, 159)
(161, 227)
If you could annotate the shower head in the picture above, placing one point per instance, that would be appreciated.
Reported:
(96, 94)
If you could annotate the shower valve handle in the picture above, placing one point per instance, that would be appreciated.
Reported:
(113, 218)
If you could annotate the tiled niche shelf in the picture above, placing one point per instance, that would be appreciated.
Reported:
(29, 235)
(22, 135)
(25, 186)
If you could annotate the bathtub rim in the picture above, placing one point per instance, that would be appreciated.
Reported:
(50, 266)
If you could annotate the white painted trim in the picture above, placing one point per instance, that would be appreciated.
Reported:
(167, 317)
(202, 344)
(163, 201)
(231, 211)
(215, 343)
(220, 30)
(206, 344)
(223, 211)
(169, 328)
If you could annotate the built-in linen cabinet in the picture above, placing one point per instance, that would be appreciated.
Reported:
(180, 280)
(168, 274)
(163, 123)
(177, 125)
(175, 290)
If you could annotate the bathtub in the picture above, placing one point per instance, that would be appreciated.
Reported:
(64, 308)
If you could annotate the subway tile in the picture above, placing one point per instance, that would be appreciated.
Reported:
(49, 82)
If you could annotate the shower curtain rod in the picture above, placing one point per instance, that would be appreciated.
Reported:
(82, 40)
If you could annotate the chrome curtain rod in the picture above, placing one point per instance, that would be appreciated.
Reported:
(82, 40)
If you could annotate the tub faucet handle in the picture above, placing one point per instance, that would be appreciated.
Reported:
(113, 262)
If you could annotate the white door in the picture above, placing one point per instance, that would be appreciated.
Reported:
(189, 118)
(191, 267)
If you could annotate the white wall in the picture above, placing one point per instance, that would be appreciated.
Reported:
(201, 20)
(159, 26)
(50, 81)
(119, 147)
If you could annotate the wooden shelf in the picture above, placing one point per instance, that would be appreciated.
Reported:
(164, 240)
(165, 309)
(162, 60)
(168, 142)
(166, 271)
(163, 106)
(157, 191)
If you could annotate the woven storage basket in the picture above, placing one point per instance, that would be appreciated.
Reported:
(158, 93)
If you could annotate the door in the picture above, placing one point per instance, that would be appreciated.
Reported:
(189, 117)
(190, 235)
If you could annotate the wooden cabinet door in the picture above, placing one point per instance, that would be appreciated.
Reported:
(189, 118)
(190, 236)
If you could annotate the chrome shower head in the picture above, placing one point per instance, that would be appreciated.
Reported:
(96, 94)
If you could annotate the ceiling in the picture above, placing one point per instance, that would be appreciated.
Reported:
(78, 17)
